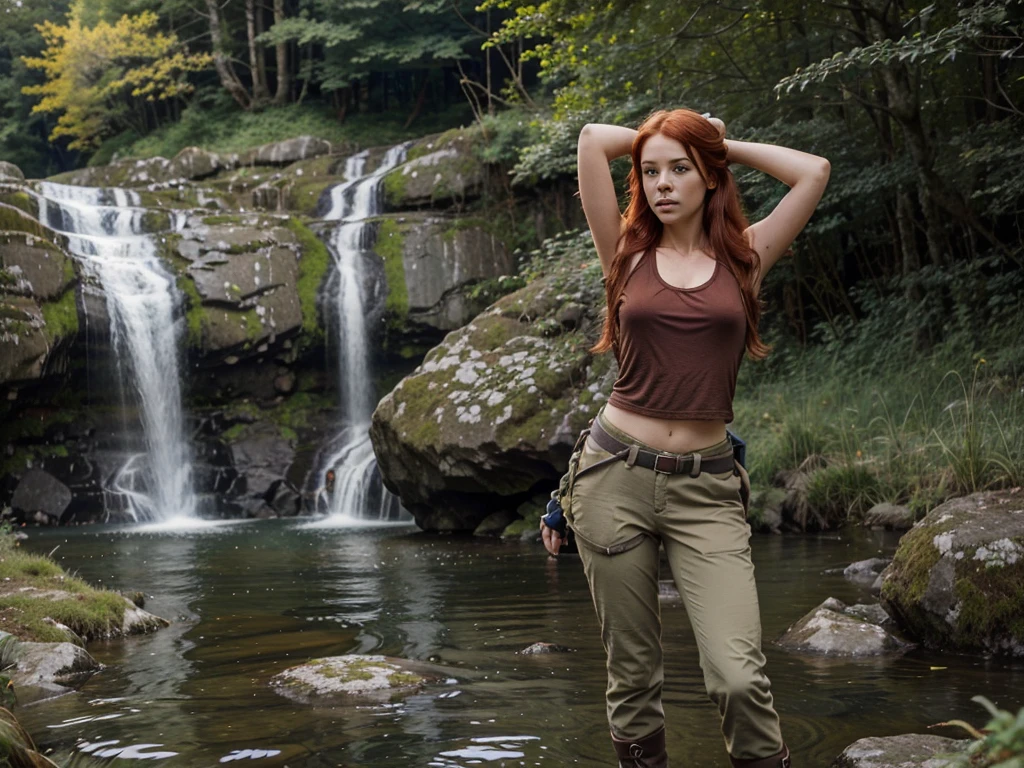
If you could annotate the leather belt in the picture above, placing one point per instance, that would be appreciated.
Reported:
(665, 463)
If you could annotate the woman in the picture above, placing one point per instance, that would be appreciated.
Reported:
(682, 271)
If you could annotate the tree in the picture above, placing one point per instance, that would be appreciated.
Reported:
(100, 78)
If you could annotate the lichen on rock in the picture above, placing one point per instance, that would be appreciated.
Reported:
(957, 579)
(335, 678)
(493, 411)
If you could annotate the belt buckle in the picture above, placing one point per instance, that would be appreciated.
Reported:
(672, 462)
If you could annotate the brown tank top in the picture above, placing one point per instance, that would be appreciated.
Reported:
(679, 349)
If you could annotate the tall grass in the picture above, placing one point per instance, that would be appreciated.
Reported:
(913, 430)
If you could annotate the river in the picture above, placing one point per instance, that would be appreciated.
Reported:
(250, 599)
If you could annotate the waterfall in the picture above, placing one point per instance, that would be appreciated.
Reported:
(357, 489)
(104, 228)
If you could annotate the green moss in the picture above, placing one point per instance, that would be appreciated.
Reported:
(394, 189)
(253, 325)
(61, 316)
(250, 247)
(990, 601)
(289, 434)
(15, 220)
(195, 317)
(419, 398)
(389, 247)
(234, 433)
(303, 196)
(155, 221)
(364, 670)
(912, 563)
(312, 267)
(23, 201)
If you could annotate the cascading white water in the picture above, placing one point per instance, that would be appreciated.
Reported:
(104, 230)
(352, 460)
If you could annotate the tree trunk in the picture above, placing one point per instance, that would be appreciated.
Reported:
(421, 99)
(259, 86)
(226, 72)
(284, 80)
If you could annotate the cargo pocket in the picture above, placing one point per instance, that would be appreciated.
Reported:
(723, 527)
(595, 509)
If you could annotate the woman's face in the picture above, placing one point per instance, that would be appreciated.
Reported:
(672, 184)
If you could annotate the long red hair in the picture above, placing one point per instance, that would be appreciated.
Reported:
(724, 222)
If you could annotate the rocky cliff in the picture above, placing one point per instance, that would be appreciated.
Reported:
(244, 237)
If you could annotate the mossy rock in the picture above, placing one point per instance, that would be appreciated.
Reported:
(440, 171)
(957, 580)
(492, 413)
(337, 679)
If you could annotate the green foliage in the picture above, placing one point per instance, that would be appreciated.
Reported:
(1000, 744)
(91, 72)
(362, 36)
(982, 28)
(841, 492)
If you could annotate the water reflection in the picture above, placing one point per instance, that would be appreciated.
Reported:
(250, 600)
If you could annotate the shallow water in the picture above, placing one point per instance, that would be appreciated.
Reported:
(251, 599)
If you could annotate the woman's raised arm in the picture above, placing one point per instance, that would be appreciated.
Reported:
(806, 175)
(599, 145)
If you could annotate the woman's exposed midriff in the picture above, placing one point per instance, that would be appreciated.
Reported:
(669, 435)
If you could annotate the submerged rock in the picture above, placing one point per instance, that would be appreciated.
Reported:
(909, 750)
(334, 679)
(835, 629)
(865, 573)
(540, 649)
(957, 579)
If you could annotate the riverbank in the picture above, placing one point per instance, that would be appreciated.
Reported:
(41, 603)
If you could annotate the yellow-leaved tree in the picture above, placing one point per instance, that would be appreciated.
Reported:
(99, 78)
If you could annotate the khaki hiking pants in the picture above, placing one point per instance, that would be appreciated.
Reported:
(701, 523)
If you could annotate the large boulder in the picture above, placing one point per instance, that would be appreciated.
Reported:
(30, 266)
(37, 299)
(262, 456)
(908, 750)
(957, 579)
(492, 414)
(429, 261)
(441, 171)
(285, 152)
(195, 163)
(241, 274)
(40, 492)
(10, 172)
(24, 347)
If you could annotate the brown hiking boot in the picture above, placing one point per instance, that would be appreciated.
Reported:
(780, 760)
(648, 752)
